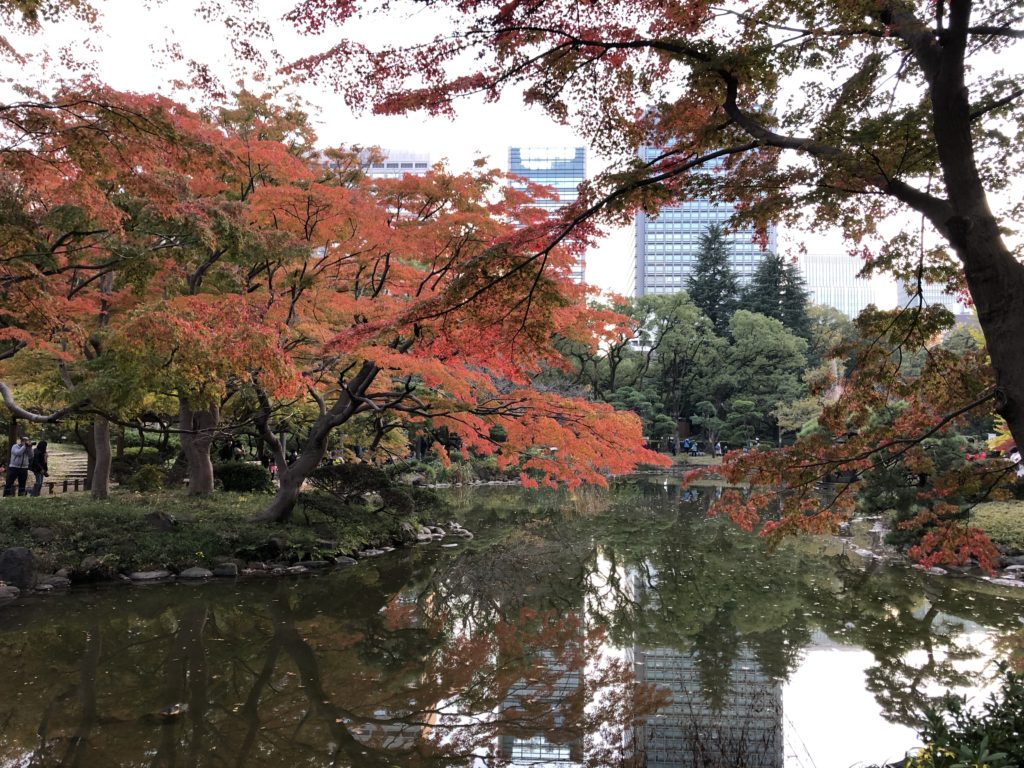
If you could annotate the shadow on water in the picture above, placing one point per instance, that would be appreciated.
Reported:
(617, 630)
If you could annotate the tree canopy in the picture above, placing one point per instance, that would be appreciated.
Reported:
(821, 114)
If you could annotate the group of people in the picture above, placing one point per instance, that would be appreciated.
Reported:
(26, 457)
(693, 447)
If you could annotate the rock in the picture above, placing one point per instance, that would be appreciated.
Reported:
(64, 572)
(407, 533)
(52, 582)
(42, 535)
(174, 710)
(161, 521)
(225, 570)
(149, 575)
(1011, 560)
(89, 564)
(1006, 582)
(411, 478)
(437, 529)
(255, 566)
(195, 573)
(371, 552)
(344, 560)
(437, 536)
(8, 592)
(18, 567)
(314, 565)
(44, 588)
(936, 571)
(424, 531)
(462, 533)
(424, 537)
(845, 529)
(295, 569)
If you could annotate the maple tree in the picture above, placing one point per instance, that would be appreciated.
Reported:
(831, 113)
(406, 300)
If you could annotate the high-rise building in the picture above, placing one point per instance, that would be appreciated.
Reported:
(563, 168)
(391, 164)
(395, 163)
(667, 245)
(930, 294)
(832, 280)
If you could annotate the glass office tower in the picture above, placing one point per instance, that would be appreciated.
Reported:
(563, 168)
(666, 245)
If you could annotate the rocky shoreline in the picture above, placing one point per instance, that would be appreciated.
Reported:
(1010, 571)
(20, 572)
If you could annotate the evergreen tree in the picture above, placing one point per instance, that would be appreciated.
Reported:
(778, 290)
(712, 285)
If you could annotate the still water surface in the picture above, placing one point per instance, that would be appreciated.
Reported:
(623, 629)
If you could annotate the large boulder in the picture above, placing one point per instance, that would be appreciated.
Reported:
(195, 572)
(18, 567)
(407, 533)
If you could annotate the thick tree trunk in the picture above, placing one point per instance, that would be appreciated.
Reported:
(291, 477)
(995, 278)
(344, 407)
(100, 475)
(197, 431)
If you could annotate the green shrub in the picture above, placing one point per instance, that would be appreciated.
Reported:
(348, 482)
(958, 737)
(122, 469)
(243, 477)
(146, 478)
(1002, 521)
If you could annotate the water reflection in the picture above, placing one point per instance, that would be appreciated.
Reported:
(628, 632)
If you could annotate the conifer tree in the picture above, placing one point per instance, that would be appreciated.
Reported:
(778, 290)
(713, 286)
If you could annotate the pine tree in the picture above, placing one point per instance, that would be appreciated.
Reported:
(778, 290)
(712, 286)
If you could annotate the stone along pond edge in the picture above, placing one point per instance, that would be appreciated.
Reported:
(46, 547)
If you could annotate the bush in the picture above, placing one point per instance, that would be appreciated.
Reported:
(1002, 521)
(122, 469)
(349, 482)
(957, 737)
(243, 477)
(146, 478)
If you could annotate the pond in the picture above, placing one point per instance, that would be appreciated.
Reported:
(616, 629)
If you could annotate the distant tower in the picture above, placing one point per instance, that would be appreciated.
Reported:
(563, 168)
(832, 281)
(666, 245)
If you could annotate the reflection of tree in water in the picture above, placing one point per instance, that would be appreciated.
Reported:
(284, 678)
(422, 658)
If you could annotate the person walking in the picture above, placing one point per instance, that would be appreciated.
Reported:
(17, 467)
(39, 466)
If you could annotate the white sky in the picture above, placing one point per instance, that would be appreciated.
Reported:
(128, 55)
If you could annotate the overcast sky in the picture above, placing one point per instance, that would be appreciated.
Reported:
(128, 52)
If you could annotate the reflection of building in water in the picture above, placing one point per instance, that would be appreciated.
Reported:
(746, 732)
(534, 720)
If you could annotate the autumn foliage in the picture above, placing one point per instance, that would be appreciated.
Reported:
(218, 260)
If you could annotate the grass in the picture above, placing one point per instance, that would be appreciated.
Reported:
(207, 528)
(1003, 521)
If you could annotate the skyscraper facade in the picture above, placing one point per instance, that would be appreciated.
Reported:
(563, 168)
(832, 281)
(395, 164)
(929, 294)
(666, 245)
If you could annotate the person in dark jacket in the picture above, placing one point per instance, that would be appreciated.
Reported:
(39, 467)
